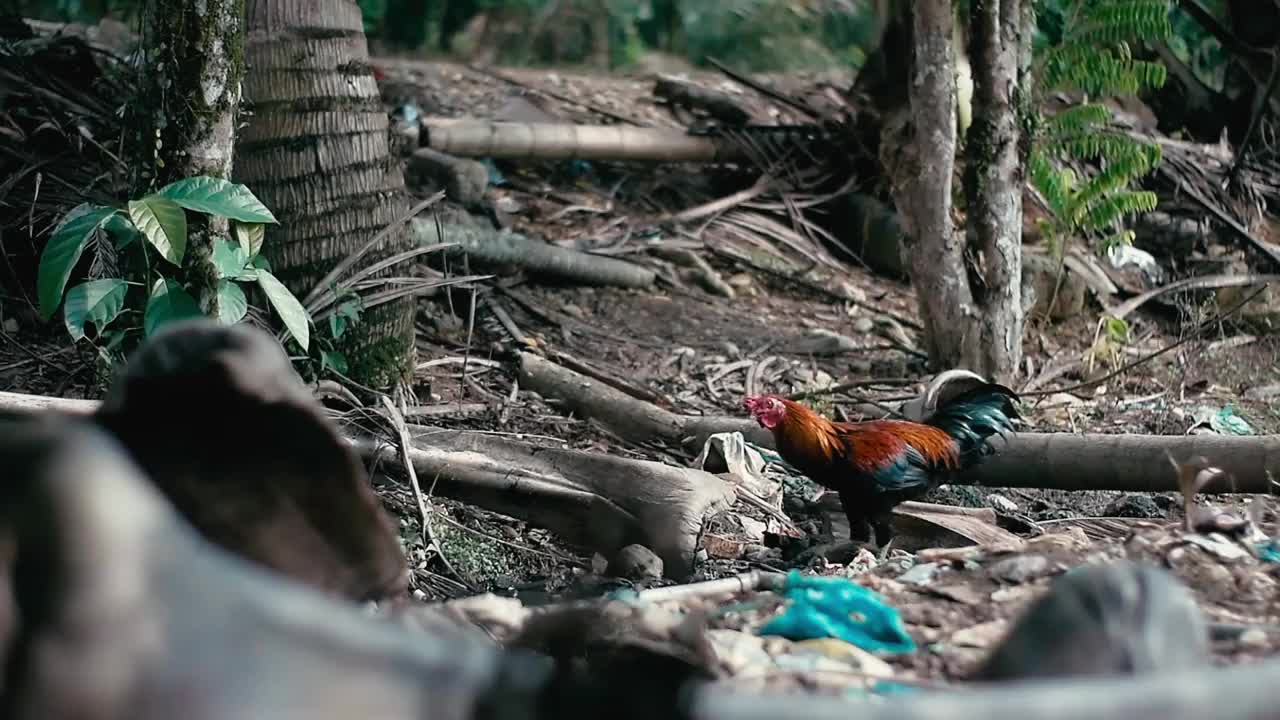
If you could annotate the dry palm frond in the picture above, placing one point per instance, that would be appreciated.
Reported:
(60, 137)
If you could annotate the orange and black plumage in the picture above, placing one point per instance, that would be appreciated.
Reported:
(877, 464)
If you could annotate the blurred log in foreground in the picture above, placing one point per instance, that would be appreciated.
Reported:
(112, 607)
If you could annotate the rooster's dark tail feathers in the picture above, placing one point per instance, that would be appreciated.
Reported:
(974, 416)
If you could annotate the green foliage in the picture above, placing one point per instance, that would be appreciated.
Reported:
(1084, 46)
(1199, 49)
(765, 35)
(159, 220)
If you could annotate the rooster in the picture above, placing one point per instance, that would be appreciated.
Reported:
(877, 464)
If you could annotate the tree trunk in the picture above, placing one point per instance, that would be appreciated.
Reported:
(1000, 56)
(187, 113)
(315, 151)
(968, 285)
(918, 150)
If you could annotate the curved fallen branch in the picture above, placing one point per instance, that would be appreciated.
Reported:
(507, 248)
(602, 501)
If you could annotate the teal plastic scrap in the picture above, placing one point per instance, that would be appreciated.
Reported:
(837, 607)
(1269, 551)
(1227, 422)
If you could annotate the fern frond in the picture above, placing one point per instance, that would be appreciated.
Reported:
(1108, 211)
(1076, 120)
(1115, 22)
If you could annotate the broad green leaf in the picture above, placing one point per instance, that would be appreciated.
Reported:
(97, 301)
(168, 303)
(232, 304)
(250, 237)
(229, 259)
(63, 251)
(347, 313)
(260, 262)
(290, 310)
(216, 196)
(335, 360)
(122, 230)
(337, 326)
(164, 224)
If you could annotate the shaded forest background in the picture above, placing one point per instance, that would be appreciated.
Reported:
(749, 35)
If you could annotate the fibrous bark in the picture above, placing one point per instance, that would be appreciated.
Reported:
(187, 113)
(315, 151)
(920, 174)
(1000, 53)
(968, 286)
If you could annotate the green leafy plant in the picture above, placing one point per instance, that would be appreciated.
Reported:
(151, 227)
(1084, 46)
(1110, 337)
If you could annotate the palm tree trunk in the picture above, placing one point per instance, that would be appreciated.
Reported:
(314, 150)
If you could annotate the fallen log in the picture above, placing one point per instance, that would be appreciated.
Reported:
(1046, 461)
(602, 501)
(501, 247)
(566, 141)
(464, 181)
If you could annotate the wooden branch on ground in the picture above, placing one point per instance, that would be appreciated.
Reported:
(553, 141)
(680, 93)
(1050, 461)
(464, 180)
(601, 501)
(507, 248)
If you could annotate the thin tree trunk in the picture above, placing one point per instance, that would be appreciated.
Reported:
(315, 151)
(999, 51)
(187, 113)
(920, 170)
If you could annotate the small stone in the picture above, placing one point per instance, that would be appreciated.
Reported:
(1002, 503)
(1020, 568)
(983, 635)
(863, 325)
(920, 574)
(636, 562)
(1253, 639)
(1133, 506)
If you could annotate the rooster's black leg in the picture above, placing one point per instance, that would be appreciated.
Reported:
(883, 525)
(859, 527)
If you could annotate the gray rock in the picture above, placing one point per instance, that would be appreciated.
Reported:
(1099, 620)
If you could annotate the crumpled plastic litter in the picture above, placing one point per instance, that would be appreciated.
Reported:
(1222, 422)
(1269, 551)
(730, 453)
(839, 608)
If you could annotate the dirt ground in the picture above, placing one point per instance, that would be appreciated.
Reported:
(699, 352)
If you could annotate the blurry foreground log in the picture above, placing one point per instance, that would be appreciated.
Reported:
(1051, 461)
(498, 247)
(112, 607)
(548, 141)
(123, 611)
(218, 419)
